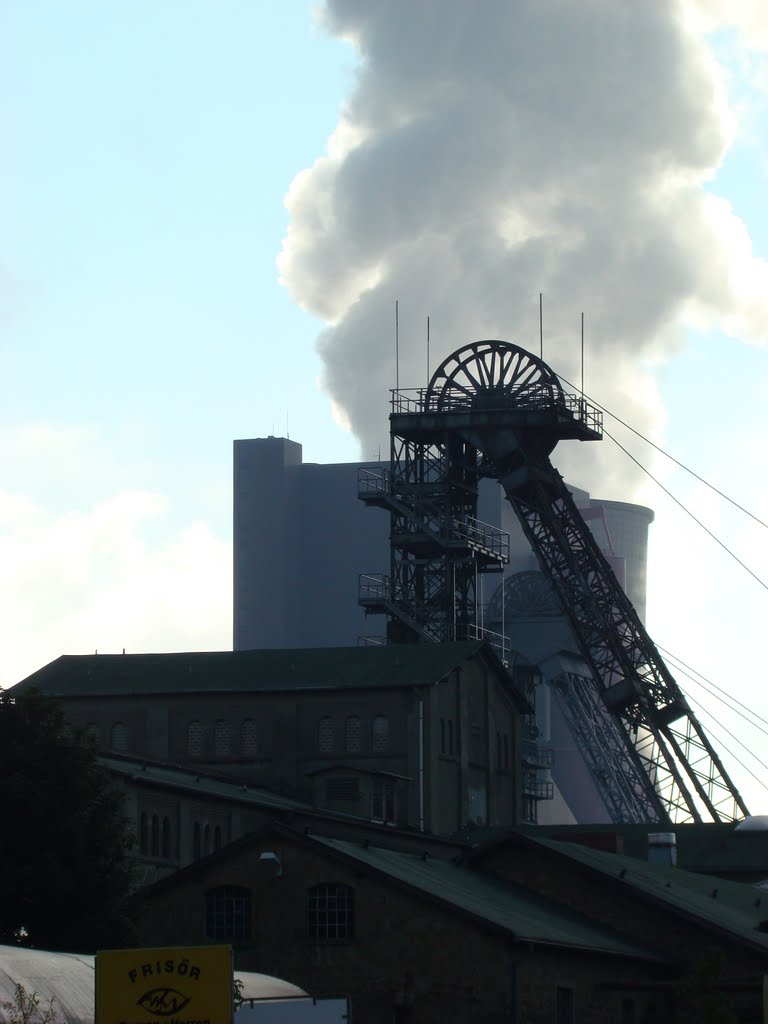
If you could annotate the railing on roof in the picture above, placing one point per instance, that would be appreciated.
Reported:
(538, 396)
(373, 481)
(535, 756)
(483, 537)
(500, 643)
(371, 641)
(538, 790)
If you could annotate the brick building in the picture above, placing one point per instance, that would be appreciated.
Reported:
(406, 935)
(203, 744)
(512, 930)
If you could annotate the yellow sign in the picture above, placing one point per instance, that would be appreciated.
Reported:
(185, 985)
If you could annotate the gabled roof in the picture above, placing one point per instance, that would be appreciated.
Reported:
(323, 668)
(711, 847)
(523, 914)
(734, 907)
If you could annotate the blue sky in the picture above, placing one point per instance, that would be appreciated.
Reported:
(149, 148)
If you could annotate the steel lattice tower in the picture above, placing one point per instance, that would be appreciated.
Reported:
(492, 409)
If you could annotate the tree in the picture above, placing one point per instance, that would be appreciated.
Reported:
(65, 865)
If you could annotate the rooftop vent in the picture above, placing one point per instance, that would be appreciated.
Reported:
(662, 848)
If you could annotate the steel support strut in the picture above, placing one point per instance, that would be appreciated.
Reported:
(634, 682)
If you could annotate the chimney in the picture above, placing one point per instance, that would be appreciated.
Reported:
(662, 848)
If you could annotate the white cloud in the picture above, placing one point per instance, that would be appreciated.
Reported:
(748, 17)
(110, 571)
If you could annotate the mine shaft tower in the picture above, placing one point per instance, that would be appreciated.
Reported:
(493, 409)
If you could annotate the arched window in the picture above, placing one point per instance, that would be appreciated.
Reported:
(330, 912)
(207, 840)
(249, 744)
(118, 737)
(196, 843)
(352, 735)
(166, 839)
(217, 838)
(155, 843)
(380, 734)
(228, 913)
(222, 739)
(195, 738)
(325, 737)
(92, 732)
(143, 843)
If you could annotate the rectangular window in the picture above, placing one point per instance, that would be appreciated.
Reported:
(330, 913)
(505, 740)
(450, 735)
(442, 735)
(498, 751)
(228, 913)
(564, 1006)
(383, 803)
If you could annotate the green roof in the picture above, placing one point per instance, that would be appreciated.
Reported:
(711, 847)
(323, 668)
(735, 907)
(523, 914)
(169, 777)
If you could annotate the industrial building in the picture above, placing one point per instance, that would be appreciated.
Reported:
(206, 744)
(303, 538)
(469, 456)
(352, 818)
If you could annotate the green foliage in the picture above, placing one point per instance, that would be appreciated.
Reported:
(65, 868)
(25, 1008)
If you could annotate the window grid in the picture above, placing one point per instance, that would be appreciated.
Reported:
(228, 913)
(195, 739)
(383, 805)
(248, 737)
(380, 734)
(352, 735)
(330, 912)
(222, 739)
(325, 736)
(118, 737)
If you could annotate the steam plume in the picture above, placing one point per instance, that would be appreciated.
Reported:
(490, 151)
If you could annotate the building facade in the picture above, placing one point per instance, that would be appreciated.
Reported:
(302, 538)
(415, 737)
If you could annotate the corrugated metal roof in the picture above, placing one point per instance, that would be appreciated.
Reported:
(712, 847)
(69, 979)
(199, 784)
(736, 907)
(323, 668)
(523, 914)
